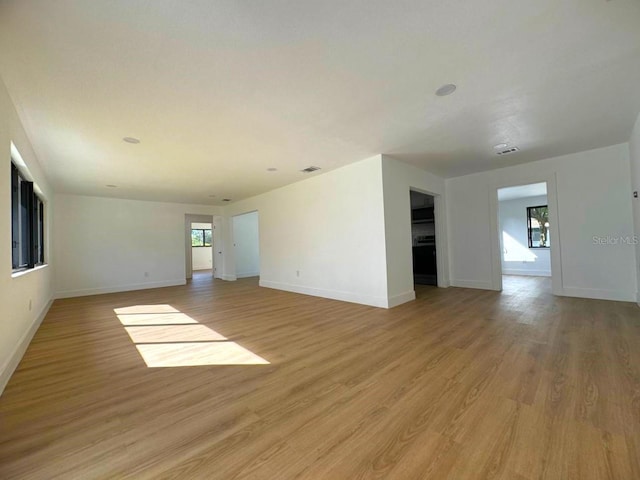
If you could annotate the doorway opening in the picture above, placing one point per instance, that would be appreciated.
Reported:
(246, 245)
(423, 236)
(200, 237)
(527, 236)
(201, 247)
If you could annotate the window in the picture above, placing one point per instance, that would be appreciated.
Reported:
(200, 237)
(538, 226)
(27, 223)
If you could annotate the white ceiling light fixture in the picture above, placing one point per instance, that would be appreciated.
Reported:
(226, 199)
(132, 140)
(272, 169)
(445, 90)
(110, 185)
(501, 145)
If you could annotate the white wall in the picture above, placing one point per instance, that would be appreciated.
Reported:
(108, 245)
(517, 258)
(246, 243)
(398, 179)
(324, 236)
(634, 153)
(202, 257)
(594, 199)
(24, 299)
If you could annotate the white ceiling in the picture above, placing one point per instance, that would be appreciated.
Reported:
(522, 191)
(218, 91)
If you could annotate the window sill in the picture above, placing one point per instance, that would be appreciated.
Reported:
(22, 273)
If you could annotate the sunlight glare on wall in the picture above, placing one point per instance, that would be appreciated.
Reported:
(514, 251)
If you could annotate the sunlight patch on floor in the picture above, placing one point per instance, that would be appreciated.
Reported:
(166, 337)
(198, 353)
(155, 319)
(160, 308)
(173, 333)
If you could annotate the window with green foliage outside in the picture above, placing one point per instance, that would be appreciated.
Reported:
(200, 237)
(538, 226)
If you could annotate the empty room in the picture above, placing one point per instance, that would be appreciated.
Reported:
(320, 240)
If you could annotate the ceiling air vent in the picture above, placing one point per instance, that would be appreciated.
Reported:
(310, 169)
(508, 151)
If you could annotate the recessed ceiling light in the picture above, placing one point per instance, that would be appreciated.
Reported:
(508, 151)
(226, 199)
(111, 186)
(131, 140)
(272, 169)
(445, 90)
(501, 145)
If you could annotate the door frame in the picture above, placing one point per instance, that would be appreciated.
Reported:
(233, 241)
(190, 218)
(439, 213)
(554, 219)
(218, 250)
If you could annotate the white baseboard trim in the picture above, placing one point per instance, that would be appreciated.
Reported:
(228, 278)
(472, 284)
(526, 273)
(598, 294)
(119, 288)
(381, 302)
(18, 352)
(401, 298)
(247, 275)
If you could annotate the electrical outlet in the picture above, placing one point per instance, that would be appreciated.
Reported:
(297, 273)
(30, 305)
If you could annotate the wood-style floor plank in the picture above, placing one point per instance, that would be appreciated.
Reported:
(460, 384)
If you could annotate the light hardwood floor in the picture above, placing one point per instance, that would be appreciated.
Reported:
(460, 384)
